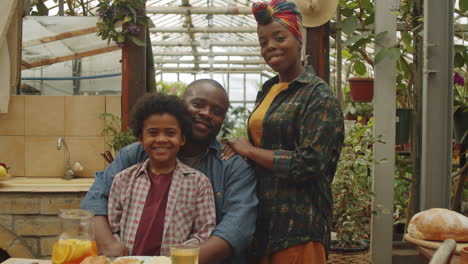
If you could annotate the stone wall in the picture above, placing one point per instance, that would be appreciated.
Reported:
(29, 222)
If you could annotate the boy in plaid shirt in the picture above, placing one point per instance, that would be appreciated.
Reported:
(161, 201)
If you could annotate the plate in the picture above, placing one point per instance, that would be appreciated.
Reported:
(6, 178)
(150, 259)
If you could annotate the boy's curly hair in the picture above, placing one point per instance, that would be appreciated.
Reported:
(160, 103)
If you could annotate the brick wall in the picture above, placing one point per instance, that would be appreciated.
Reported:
(29, 222)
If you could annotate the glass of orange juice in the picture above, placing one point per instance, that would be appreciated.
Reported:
(76, 242)
(184, 254)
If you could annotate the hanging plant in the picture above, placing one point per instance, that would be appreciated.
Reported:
(122, 20)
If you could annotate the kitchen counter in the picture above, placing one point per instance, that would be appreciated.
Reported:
(36, 184)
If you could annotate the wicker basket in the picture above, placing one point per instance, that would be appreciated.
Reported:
(349, 258)
(355, 255)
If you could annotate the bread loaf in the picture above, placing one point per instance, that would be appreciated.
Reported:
(96, 260)
(439, 224)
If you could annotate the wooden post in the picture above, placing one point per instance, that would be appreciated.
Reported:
(318, 50)
(133, 76)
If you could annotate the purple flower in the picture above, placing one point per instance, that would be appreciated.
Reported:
(458, 79)
(102, 13)
(133, 28)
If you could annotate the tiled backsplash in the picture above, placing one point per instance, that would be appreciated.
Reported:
(30, 129)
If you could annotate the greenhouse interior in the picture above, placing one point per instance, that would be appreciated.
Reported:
(330, 131)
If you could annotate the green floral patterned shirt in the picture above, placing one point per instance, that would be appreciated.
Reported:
(304, 125)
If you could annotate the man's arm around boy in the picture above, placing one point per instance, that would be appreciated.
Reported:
(236, 213)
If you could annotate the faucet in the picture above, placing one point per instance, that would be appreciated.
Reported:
(69, 173)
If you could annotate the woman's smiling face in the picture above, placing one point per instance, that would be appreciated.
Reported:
(281, 50)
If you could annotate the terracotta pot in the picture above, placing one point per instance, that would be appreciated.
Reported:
(362, 89)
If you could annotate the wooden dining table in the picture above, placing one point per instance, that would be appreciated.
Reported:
(26, 261)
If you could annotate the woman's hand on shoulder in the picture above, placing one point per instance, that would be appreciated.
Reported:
(228, 152)
(240, 145)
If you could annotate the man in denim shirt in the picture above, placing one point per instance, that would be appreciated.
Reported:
(233, 180)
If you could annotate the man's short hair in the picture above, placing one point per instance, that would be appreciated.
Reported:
(160, 103)
(200, 81)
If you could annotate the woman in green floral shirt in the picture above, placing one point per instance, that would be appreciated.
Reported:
(295, 137)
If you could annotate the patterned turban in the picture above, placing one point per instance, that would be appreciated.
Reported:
(282, 11)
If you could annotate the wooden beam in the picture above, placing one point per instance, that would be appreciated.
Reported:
(133, 76)
(65, 35)
(318, 50)
(25, 65)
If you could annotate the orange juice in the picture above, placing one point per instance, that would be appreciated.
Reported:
(72, 251)
(185, 258)
(184, 254)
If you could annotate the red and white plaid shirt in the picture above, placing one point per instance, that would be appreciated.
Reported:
(190, 211)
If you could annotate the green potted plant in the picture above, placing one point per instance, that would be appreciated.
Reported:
(122, 20)
(361, 83)
(358, 17)
(115, 137)
(352, 195)
(361, 111)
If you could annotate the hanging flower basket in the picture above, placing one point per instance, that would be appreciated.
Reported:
(362, 89)
(122, 20)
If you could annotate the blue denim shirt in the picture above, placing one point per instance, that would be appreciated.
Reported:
(233, 184)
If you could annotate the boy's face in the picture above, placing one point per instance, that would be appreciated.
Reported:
(162, 138)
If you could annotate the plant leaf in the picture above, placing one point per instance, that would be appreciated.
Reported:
(136, 41)
(459, 48)
(394, 53)
(380, 55)
(379, 37)
(458, 60)
(350, 24)
(351, 40)
(359, 68)
(463, 5)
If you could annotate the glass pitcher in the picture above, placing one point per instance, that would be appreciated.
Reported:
(76, 242)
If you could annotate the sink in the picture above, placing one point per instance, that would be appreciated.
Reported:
(40, 184)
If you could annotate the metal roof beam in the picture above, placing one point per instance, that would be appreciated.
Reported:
(189, 53)
(188, 23)
(214, 10)
(215, 69)
(213, 43)
(246, 62)
(204, 30)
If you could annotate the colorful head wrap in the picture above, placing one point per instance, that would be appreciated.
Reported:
(282, 11)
